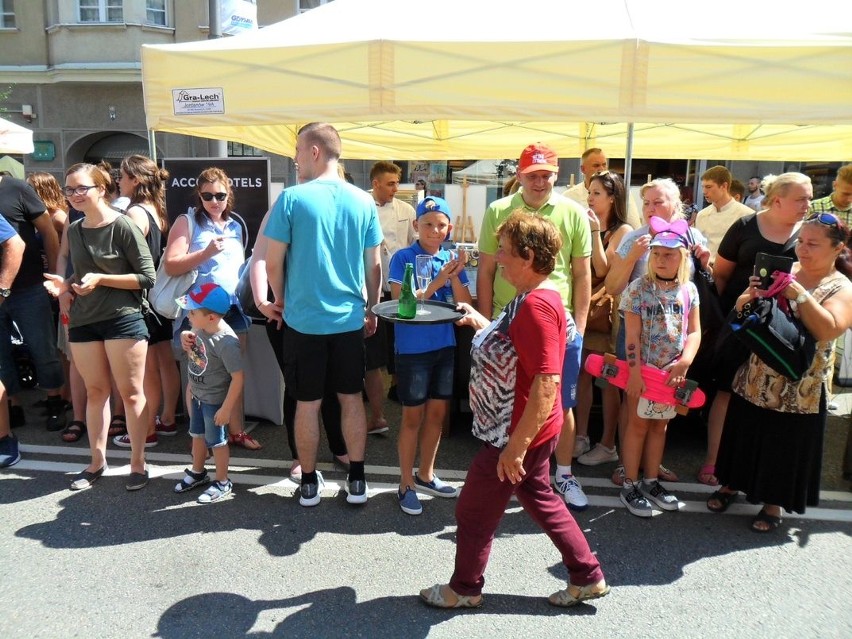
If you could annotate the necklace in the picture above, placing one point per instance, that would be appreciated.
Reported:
(666, 279)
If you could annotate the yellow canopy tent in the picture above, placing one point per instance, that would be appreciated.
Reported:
(473, 79)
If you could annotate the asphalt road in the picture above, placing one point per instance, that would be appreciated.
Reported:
(104, 562)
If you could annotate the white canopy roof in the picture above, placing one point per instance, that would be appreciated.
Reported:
(747, 79)
(14, 138)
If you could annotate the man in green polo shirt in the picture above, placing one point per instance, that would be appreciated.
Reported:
(537, 170)
(839, 202)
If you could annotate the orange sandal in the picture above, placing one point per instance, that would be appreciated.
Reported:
(244, 440)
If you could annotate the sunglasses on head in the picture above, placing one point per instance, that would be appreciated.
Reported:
(207, 197)
(825, 218)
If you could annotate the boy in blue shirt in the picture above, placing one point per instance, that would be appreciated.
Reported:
(425, 355)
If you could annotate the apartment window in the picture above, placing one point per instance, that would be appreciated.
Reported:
(101, 10)
(155, 12)
(7, 14)
(237, 150)
(307, 5)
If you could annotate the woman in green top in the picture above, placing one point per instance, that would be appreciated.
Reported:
(107, 332)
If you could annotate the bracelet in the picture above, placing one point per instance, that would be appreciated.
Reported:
(596, 230)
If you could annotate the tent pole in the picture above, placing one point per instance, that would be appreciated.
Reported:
(628, 164)
(216, 148)
(152, 144)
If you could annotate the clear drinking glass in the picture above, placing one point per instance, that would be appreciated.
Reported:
(423, 272)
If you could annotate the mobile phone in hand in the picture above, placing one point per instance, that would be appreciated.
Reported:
(766, 264)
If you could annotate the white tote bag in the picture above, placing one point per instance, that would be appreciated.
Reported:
(167, 288)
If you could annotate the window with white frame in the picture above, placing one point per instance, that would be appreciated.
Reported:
(7, 14)
(101, 10)
(155, 12)
(307, 5)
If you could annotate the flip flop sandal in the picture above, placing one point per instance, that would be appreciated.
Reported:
(117, 426)
(434, 597)
(724, 499)
(74, 431)
(707, 475)
(772, 522)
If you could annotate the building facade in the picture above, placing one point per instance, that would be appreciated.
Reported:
(71, 71)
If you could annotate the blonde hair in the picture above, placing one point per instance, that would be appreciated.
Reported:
(682, 270)
(777, 185)
(667, 186)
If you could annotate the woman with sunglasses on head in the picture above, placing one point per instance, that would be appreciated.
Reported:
(772, 442)
(215, 248)
(607, 216)
(772, 230)
(107, 332)
(143, 183)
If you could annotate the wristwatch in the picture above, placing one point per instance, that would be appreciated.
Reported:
(802, 298)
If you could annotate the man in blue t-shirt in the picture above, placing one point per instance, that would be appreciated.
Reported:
(329, 232)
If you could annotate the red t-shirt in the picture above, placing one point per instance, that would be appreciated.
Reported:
(526, 340)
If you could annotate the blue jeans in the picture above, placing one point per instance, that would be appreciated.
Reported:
(29, 309)
(424, 376)
(201, 424)
(571, 370)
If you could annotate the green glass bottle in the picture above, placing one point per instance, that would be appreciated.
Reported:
(407, 301)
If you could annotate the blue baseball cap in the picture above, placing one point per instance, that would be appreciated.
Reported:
(433, 204)
(208, 296)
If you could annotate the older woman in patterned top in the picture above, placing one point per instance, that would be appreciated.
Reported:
(515, 399)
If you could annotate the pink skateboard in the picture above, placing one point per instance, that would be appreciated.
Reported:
(615, 371)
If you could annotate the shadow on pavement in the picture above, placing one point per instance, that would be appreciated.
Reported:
(224, 614)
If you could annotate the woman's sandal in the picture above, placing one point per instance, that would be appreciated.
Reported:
(707, 475)
(117, 426)
(74, 431)
(772, 522)
(434, 597)
(725, 500)
(244, 440)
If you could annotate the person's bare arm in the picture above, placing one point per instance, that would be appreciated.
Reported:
(722, 271)
(13, 253)
(50, 240)
(373, 279)
(485, 284)
(581, 291)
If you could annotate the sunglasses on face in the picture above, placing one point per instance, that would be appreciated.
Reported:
(77, 190)
(220, 197)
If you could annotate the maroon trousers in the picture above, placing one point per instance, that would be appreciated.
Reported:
(483, 502)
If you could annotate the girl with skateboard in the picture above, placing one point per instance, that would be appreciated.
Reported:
(662, 330)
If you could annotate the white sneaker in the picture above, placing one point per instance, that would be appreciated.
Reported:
(572, 492)
(600, 454)
(581, 445)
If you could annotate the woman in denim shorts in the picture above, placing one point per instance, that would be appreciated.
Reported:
(107, 332)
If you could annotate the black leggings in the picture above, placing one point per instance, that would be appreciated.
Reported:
(330, 408)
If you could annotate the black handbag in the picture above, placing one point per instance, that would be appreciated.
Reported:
(775, 335)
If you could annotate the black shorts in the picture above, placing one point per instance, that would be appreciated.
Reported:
(130, 326)
(376, 348)
(159, 327)
(308, 359)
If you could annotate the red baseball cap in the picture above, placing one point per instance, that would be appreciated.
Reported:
(538, 157)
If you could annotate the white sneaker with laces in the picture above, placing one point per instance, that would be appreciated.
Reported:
(571, 491)
(600, 454)
(581, 445)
